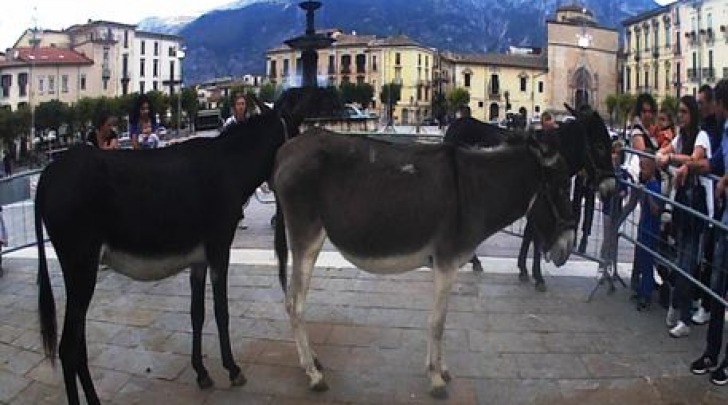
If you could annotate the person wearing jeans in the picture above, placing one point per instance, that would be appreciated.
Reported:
(717, 164)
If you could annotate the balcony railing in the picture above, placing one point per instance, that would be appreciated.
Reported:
(345, 70)
(692, 75)
(709, 74)
(105, 73)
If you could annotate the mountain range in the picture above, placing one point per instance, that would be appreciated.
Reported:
(232, 41)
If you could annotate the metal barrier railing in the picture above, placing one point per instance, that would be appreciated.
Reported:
(16, 197)
(720, 228)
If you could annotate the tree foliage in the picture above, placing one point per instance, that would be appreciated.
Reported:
(457, 97)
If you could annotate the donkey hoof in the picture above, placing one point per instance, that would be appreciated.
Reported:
(446, 376)
(541, 287)
(205, 382)
(320, 386)
(239, 380)
(523, 277)
(318, 364)
(439, 392)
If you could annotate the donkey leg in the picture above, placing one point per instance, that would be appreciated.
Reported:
(437, 369)
(303, 264)
(72, 351)
(218, 277)
(540, 283)
(523, 252)
(198, 275)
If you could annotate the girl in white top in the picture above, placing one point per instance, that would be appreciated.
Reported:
(672, 154)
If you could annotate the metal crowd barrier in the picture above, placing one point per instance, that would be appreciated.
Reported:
(628, 231)
(16, 197)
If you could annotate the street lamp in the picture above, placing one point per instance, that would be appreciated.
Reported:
(180, 57)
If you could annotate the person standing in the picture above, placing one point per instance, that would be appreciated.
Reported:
(691, 144)
(641, 137)
(647, 232)
(239, 111)
(7, 163)
(708, 362)
(104, 136)
(142, 121)
(709, 124)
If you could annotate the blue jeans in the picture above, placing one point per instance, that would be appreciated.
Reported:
(646, 264)
(688, 242)
(719, 285)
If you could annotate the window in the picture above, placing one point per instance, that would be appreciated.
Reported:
(467, 79)
(285, 67)
(143, 48)
(106, 84)
(667, 36)
(172, 52)
(5, 82)
(273, 68)
(51, 84)
(523, 84)
(480, 104)
(709, 23)
(647, 40)
(647, 78)
(419, 59)
(23, 84)
(171, 70)
(156, 48)
(41, 85)
(540, 86)
(64, 83)
(141, 87)
(628, 75)
(667, 78)
(657, 37)
(332, 64)
(125, 66)
(141, 67)
(374, 63)
(494, 85)
(397, 58)
(155, 85)
(657, 78)
(427, 61)
(82, 81)
(155, 68)
(126, 39)
(361, 61)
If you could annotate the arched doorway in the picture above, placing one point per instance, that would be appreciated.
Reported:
(494, 111)
(582, 84)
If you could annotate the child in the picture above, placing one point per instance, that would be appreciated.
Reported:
(647, 232)
(612, 208)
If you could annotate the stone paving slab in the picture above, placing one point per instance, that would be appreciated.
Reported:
(505, 342)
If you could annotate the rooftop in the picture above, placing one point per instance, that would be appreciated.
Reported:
(45, 56)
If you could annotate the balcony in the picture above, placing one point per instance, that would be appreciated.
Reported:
(692, 75)
(709, 74)
(105, 73)
(345, 70)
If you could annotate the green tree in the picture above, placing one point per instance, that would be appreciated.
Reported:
(612, 102)
(268, 93)
(389, 96)
(347, 92)
(671, 103)
(51, 114)
(625, 104)
(364, 94)
(457, 97)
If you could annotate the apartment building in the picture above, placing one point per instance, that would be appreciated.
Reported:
(356, 58)
(99, 58)
(675, 49)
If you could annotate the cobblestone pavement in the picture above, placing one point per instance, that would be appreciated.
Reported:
(506, 343)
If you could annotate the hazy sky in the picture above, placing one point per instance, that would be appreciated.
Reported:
(18, 15)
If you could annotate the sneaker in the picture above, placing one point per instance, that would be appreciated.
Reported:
(680, 330)
(719, 377)
(701, 316)
(672, 317)
(702, 365)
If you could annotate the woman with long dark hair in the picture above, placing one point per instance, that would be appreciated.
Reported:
(691, 144)
(142, 121)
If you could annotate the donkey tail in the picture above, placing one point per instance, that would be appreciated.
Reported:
(46, 303)
(281, 246)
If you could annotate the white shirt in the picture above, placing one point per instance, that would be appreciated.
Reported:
(701, 140)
